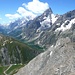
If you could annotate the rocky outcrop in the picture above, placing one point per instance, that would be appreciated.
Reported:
(4, 56)
(59, 59)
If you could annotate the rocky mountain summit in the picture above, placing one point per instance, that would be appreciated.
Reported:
(59, 59)
(29, 29)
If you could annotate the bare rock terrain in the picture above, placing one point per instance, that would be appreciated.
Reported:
(57, 60)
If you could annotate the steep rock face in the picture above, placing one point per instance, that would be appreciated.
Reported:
(57, 60)
(5, 56)
(64, 26)
(35, 28)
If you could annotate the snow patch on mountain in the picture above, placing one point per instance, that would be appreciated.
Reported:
(54, 18)
(58, 24)
(45, 22)
(63, 28)
(48, 20)
(15, 27)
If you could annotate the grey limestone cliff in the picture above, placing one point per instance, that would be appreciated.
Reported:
(57, 60)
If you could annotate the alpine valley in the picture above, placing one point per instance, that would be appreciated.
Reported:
(49, 33)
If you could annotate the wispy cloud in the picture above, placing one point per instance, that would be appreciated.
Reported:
(24, 13)
(31, 9)
(13, 16)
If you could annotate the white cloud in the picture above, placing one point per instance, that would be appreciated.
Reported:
(13, 16)
(31, 9)
(24, 13)
(36, 6)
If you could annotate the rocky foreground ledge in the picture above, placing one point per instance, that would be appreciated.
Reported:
(57, 60)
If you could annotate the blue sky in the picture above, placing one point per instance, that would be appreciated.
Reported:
(13, 9)
(61, 6)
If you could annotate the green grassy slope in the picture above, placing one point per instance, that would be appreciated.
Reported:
(14, 52)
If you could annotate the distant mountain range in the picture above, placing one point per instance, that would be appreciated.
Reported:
(43, 30)
(30, 30)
